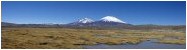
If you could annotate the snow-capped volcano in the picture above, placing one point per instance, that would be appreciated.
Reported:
(85, 20)
(111, 19)
(108, 21)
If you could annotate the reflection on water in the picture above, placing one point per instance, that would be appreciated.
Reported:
(143, 45)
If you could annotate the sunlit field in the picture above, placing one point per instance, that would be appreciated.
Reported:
(76, 38)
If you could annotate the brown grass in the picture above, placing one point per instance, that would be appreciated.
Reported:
(75, 38)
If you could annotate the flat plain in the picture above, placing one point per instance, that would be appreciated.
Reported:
(58, 38)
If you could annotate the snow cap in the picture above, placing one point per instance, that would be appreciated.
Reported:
(111, 19)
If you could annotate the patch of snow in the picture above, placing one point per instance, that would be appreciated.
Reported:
(111, 19)
(85, 20)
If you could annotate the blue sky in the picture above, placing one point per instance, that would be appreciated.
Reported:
(146, 12)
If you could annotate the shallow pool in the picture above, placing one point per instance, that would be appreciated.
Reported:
(143, 45)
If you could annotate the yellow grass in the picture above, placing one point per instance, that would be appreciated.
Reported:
(75, 38)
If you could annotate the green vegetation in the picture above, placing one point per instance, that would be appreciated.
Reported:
(75, 38)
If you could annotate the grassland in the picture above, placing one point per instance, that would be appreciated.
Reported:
(74, 38)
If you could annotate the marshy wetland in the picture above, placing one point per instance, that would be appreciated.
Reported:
(65, 38)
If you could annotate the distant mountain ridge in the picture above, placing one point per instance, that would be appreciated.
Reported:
(108, 22)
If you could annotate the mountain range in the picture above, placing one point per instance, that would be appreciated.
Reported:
(107, 22)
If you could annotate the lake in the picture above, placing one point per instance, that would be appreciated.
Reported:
(143, 45)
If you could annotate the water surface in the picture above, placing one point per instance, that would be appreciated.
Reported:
(143, 45)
